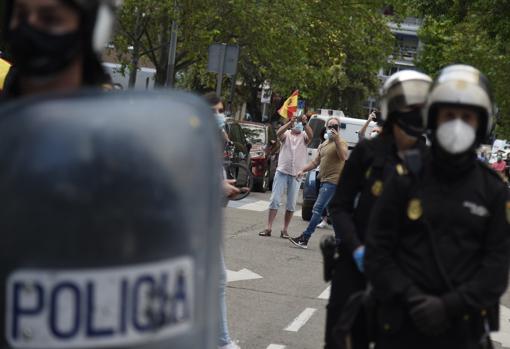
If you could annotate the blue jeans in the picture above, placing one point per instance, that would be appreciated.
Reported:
(224, 338)
(326, 193)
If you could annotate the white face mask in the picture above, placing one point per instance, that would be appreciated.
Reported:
(374, 134)
(298, 127)
(455, 136)
(220, 118)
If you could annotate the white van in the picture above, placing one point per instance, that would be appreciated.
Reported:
(145, 77)
(349, 129)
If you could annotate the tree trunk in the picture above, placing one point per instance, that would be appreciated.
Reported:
(164, 40)
(135, 56)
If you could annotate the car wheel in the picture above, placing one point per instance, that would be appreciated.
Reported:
(258, 184)
(306, 210)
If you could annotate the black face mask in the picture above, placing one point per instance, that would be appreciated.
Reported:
(39, 54)
(410, 122)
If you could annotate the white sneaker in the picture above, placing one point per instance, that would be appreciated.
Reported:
(323, 225)
(231, 345)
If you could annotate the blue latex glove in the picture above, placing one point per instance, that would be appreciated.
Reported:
(358, 256)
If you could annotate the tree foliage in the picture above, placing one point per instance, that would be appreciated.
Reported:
(473, 32)
(329, 49)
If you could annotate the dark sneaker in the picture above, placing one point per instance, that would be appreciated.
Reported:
(300, 241)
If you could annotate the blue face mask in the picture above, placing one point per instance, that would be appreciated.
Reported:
(220, 118)
(328, 135)
(298, 127)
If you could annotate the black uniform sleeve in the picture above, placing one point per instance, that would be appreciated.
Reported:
(490, 282)
(388, 280)
(341, 207)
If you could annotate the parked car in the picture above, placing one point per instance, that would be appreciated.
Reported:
(241, 145)
(310, 193)
(263, 154)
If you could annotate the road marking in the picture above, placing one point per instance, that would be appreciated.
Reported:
(326, 293)
(241, 275)
(256, 205)
(301, 320)
(259, 206)
(275, 346)
(503, 335)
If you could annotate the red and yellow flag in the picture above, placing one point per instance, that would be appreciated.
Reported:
(4, 69)
(290, 106)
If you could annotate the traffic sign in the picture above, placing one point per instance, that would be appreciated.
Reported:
(223, 58)
(266, 96)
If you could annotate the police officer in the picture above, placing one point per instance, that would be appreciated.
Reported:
(438, 241)
(54, 44)
(361, 184)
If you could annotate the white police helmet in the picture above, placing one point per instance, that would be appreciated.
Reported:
(462, 85)
(404, 91)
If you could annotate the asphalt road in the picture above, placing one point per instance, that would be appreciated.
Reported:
(280, 304)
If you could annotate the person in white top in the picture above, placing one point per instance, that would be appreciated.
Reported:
(295, 136)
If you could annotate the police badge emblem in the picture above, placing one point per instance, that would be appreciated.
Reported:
(377, 188)
(400, 170)
(414, 209)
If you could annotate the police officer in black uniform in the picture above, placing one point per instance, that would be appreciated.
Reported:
(362, 182)
(438, 240)
(55, 45)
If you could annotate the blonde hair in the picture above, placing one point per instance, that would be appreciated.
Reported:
(333, 118)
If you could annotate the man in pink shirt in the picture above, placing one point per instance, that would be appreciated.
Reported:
(294, 135)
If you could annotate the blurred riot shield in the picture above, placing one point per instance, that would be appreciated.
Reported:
(110, 222)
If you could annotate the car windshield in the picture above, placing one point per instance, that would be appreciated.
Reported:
(254, 134)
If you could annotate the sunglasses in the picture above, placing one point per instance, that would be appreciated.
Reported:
(333, 127)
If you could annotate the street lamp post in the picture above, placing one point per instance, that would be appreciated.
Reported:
(170, 76)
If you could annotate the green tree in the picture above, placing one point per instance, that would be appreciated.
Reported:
(470, 32)
(330, 49)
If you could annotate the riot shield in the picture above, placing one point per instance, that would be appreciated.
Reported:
(110, 222)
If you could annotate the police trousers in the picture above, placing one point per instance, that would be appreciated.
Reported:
(346, 281)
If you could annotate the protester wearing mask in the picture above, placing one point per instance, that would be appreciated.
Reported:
(373, 116)
(438, 241)
(294, 135)
(55, 44)
(219, 112)
(331, 156)
(362, 182)
(230, 191)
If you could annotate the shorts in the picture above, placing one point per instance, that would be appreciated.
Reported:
(281, 182)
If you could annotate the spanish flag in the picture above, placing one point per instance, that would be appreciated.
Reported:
(4, 69)
(290, 106)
